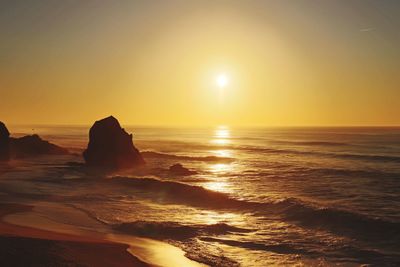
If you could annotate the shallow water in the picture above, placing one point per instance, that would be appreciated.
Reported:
(261, 196)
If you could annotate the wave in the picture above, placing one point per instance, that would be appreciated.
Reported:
(339, 221)
(276, 248)
(290, 210)
(323, 172)
(311, 143)
(384, 158)
(350, 253)
(158, 155)
(266, 150)
(174, 230)
(366, 157)
(176, 192)
(298, 172)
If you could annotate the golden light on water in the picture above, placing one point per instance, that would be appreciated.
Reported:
(222, 132)
(221, 167)
(213, 217)
(220, 141)
(222, 153)
(219, 186)
(221, 136)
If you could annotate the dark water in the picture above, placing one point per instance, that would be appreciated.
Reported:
(306, 196)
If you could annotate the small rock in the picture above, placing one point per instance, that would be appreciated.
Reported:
(178, 169)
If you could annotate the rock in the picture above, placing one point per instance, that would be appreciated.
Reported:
(110, 146)
(4, 143)
(30, 145)
(178, 169)
(33, 145)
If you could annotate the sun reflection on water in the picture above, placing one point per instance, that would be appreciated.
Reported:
(221, 167)
(222, 153)
(222, 132)
(220, 141)
(221, 136)
(219, 186)
(214, 217)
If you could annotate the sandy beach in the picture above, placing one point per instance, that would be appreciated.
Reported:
(33, 231)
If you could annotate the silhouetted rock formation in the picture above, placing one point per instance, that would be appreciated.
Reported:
(110, 146)
(26, 146)
(4, 143)
(33, 145)
(178, 169)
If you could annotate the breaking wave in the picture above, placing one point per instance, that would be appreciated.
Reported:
(310, 143)
(158, 155)
(174, 230)
(384, 158)
(324, 172)
(291, 210)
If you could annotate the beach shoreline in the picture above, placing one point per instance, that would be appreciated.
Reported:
(24, 230)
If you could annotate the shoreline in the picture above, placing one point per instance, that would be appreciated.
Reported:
(27, 226)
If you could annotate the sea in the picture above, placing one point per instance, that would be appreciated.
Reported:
(259, 197)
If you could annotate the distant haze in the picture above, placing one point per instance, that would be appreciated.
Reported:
(156, 62)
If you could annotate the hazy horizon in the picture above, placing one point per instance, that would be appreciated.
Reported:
(211, 126)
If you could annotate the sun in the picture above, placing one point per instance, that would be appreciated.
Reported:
(222, 80)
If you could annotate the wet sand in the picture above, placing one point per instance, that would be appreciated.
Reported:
(27, 246)
(33, 236)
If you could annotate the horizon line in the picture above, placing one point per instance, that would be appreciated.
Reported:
(210, 126)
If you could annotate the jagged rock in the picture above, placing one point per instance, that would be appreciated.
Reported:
(33, 145)
(30, 145)
(178, 169)
(110, 146)
(4, 142)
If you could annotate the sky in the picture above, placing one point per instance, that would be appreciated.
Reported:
(287, 63)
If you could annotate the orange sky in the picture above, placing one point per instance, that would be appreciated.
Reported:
(156, 62)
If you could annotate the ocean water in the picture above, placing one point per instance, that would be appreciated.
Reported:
(283, 196)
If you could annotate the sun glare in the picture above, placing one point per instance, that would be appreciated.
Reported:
(222, 80)
(221, 136)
